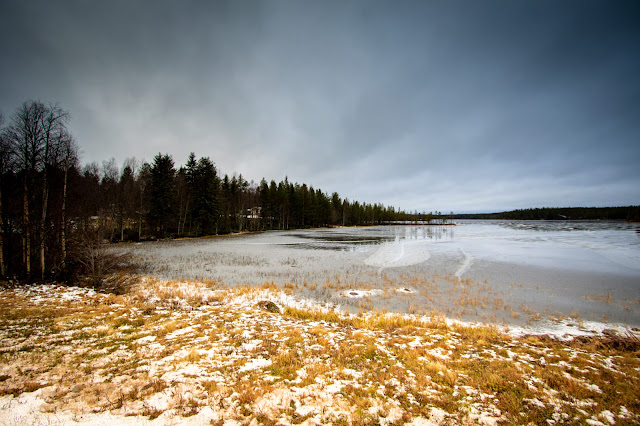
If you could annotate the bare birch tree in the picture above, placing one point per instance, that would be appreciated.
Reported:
(5, 166)
(25, 137)
(54, 135)
(69, 158)
(33, 134)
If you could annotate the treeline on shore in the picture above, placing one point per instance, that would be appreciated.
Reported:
(56, 213)
(628, 213)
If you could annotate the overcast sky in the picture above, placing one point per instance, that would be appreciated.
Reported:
(427, 105)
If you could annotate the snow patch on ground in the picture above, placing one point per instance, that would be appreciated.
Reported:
(357, 294)
(254, 364)
(568, 329)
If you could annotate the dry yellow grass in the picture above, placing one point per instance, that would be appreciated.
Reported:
(100, 353)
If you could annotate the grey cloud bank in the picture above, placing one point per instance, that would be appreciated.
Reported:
(443, 105)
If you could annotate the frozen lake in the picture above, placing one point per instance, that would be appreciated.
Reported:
(513, 272)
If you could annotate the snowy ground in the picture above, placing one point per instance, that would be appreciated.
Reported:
(193, 353)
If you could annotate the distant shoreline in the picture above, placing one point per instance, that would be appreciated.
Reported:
(623, 213)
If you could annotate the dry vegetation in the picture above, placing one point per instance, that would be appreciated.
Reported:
(172, 352)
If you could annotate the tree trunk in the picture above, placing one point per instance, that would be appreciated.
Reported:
(26, 237)
(2, 271)
(112, 223)
(63, 235)
(186, 212)
(121, 215)
(141, 210)
(45, 196)
(184, 201)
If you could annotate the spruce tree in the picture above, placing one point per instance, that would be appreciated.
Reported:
(161, 204)
(205, 197)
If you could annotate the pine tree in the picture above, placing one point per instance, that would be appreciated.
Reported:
(126, 207)
(161, 191)
(205, 197)
(265, 204)
(190, 171)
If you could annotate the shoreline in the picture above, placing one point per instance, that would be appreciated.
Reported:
(560, 330)
(257, 232)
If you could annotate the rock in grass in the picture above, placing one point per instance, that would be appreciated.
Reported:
(269, 306)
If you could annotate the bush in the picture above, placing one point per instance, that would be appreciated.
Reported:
(93, 261)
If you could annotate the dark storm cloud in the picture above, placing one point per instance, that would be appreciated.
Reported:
(444, 105)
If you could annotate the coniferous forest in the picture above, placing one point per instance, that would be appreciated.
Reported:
(55, 210)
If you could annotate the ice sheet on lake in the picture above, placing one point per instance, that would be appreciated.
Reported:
(398, 253)
(604, 250)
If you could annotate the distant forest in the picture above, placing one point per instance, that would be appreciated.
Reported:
(56, 213)
(629, 213)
